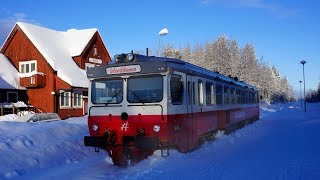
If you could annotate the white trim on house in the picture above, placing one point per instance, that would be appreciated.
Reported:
(77, 100)
(28, 66)
(65, 99)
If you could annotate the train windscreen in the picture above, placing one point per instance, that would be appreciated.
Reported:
(145, 89)
(107, 91)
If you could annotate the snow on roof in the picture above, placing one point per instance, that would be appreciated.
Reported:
(58, 48)
(77, 40)
(9, 78)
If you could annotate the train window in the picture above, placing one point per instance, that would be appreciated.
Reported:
(238, 96)
(233, 95)
(219, 94)
(243, 97)
(247, 98)
(145, 89)
(107, 91)
(226, 95)
(176, 89)
(200, 93)
(252, 97)
(255, 98)
(194, 93)
(189, 93)
(209, 94)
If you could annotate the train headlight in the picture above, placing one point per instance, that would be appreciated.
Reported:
(119, 58)
(156, 128)
(95, 127)
(130, 57)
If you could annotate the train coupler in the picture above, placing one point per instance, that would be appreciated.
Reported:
(164, 151)
(96, 149)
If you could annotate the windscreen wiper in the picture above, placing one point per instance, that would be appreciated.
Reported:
(138, 97)
(109, 101)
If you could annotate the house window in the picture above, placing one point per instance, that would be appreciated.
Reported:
(28, 66)
(12, 97)
(77, 100)
(65, 99)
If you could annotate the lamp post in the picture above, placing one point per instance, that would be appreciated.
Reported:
(300, 94)
(304, 85)
(163, 32)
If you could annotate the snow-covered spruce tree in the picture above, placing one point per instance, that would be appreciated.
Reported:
(222, 56)
(311, 96)
(225, 57)
(248, 69)
(186, 55)
(170, 52)
(234, 55)
(198, 56)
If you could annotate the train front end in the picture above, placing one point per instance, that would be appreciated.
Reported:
(127, 109)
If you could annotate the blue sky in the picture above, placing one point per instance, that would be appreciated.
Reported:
(283, 32)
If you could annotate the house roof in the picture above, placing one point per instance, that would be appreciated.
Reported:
(58, 48)
(9, 78)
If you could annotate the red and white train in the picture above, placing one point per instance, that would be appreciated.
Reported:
(141, 104)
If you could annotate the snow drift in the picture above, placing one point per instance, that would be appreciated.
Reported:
(283, 144)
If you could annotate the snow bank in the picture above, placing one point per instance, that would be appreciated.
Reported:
(27, 148)
(283, 144)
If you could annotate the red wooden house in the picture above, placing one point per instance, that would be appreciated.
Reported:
(52, 65)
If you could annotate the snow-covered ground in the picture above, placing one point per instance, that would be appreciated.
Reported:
(283, 144)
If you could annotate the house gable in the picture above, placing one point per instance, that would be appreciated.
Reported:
(94, 53)
(59, 58)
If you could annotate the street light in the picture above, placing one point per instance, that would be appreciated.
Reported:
(304, 85)
(300, 94)
(163, 32)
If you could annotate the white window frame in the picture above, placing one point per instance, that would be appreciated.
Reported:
(23, 66)
(64, 95)
(79, 103)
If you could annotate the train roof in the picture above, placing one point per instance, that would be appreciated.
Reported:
(128, 64)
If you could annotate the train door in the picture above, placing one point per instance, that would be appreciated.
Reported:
(191, 116)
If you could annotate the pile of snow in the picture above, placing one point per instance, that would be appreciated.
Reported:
(28, 148)
(11, 105)
(9, 117)
(283, 144)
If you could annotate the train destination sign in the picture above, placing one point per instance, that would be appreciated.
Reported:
(123, 69)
